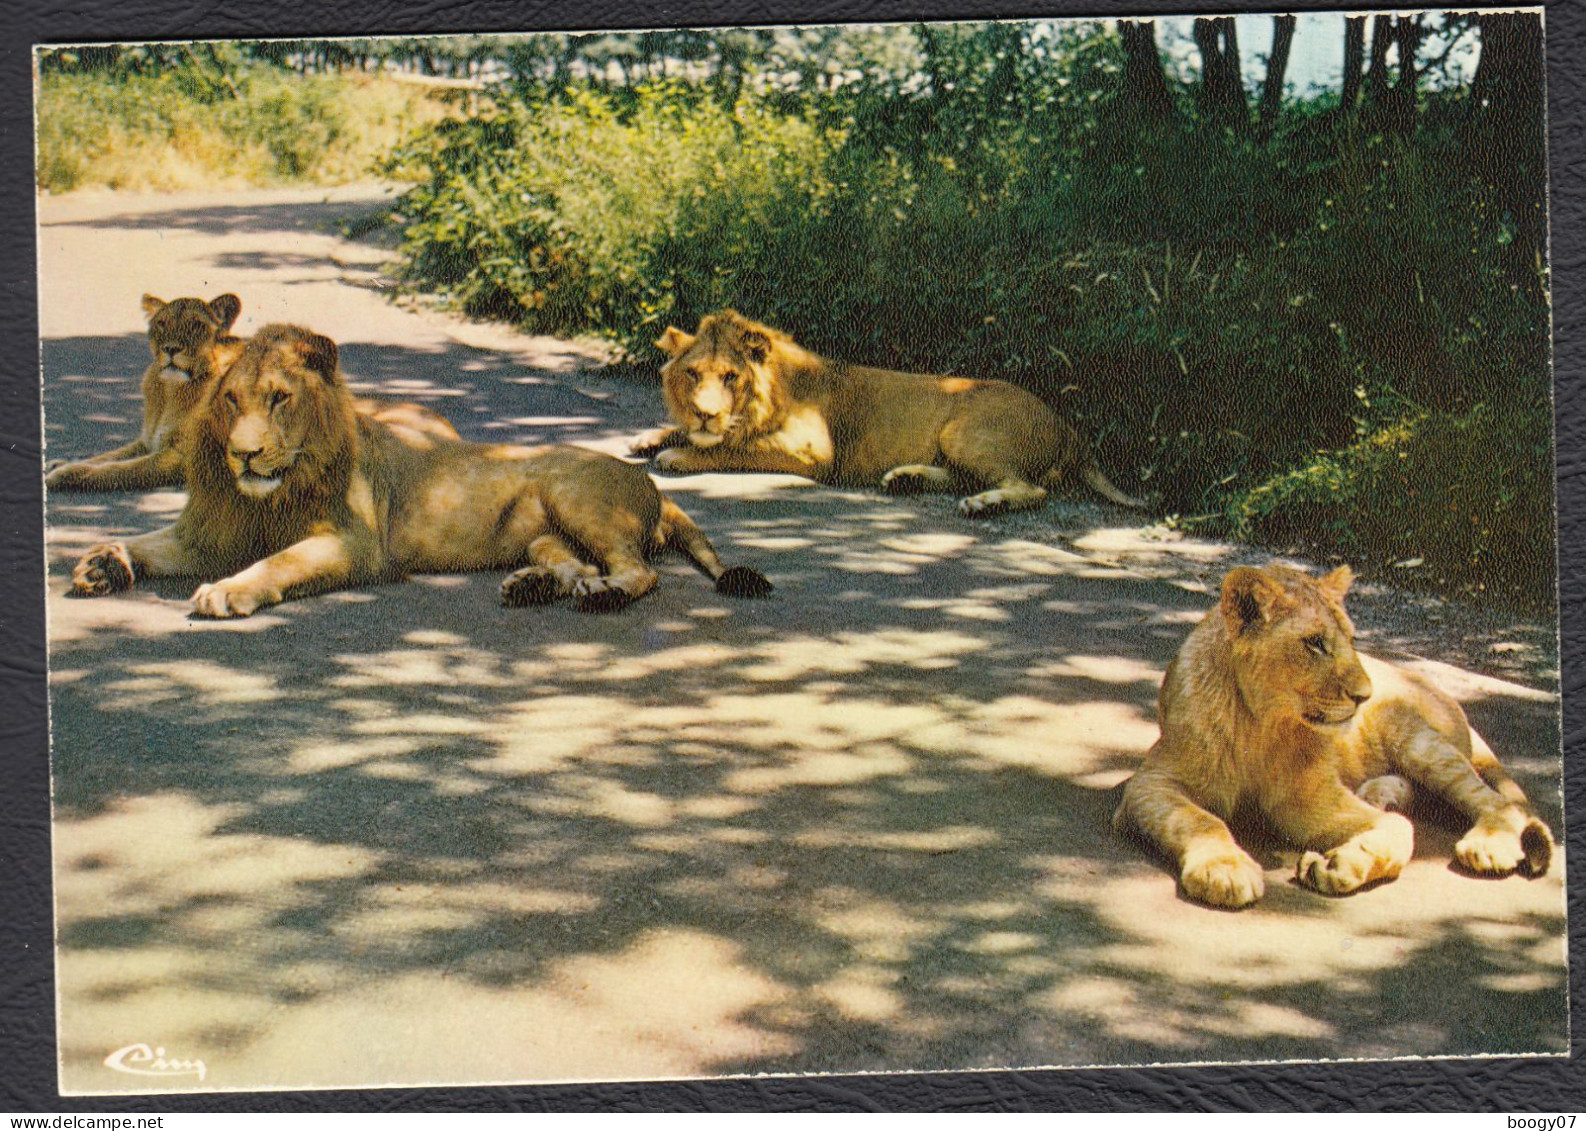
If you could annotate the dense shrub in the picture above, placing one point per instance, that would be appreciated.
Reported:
(186, 127)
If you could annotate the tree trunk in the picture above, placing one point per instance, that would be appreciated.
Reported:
(1277, 66)
(1144, 89)
(1377, 76)
(1506, 134)
(1222, 91)
(1354, 61)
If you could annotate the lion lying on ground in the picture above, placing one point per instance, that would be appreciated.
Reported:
(190, 344)
(745, 397)
(1269, 708)
(291, 492)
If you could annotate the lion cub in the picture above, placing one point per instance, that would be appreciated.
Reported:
(1269, 708)
(191, 346)
(189, 341)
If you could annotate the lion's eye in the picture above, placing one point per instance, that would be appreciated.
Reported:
(729, 378)
(279, 397)
(231, 398)
(1317, 644)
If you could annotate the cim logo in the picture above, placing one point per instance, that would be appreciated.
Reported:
(141, 1060)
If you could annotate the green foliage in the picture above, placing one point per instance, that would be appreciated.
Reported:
(1451, 501)
(204, 120)
(1214, 309)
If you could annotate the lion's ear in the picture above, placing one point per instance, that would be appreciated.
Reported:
(674, 341)
(224, 309)
(1251, 597)
(755, 345)
(1337, 583)
(318, 353)
(152, 306)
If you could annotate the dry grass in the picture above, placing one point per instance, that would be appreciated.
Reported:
(152, 133)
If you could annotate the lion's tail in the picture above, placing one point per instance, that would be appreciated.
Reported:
(1099, 483)
(678, 531)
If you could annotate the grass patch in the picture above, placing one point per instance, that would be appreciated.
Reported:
(164, 131)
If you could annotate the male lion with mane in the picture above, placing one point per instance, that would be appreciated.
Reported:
(1269, 709)
(292, 492)
(191, 345)
(745, 397)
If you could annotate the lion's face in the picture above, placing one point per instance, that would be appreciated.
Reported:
(1294, 646)
(721, 385)
(277, 410)
(183, 332)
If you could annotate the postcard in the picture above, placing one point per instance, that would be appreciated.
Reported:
(810, 549)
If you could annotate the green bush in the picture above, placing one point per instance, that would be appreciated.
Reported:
(190, 127)
(1213, 309)
(1455, 502)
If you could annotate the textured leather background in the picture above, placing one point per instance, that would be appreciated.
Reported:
(27, 1056)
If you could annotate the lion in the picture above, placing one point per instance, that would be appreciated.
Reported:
(745, 397)
(291, 492)
(190, 345)
(1268, 709)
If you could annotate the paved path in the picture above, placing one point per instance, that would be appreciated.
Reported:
(401, 835)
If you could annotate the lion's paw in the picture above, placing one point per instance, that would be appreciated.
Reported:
(230, 598)
(62, 475)
(533, 585)
(598, 595)
(674, 461)
(1228, 879)
(984, 505)
(103, 569)
(1510, 840)
(912, 479)
(647, 444)
(1379, 853)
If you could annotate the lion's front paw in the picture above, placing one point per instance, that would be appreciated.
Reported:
(1227, 879)
(913, 479)
(674, 461)
(1379, 853)
(1510, 840)
(62, 475)
(104, 569)
(647, 444)
(231, 598)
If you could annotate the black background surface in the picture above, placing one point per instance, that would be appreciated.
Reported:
(27, 999)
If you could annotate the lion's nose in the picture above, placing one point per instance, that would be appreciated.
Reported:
(1359, 694)
(244, 454)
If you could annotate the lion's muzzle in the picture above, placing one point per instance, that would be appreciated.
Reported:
(256, 472)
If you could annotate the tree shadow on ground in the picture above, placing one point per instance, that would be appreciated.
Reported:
(860, 826)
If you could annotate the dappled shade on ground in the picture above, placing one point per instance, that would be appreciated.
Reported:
(400, 834)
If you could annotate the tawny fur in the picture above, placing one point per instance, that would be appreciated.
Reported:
(292, 492)
(191, 347)
(745, 397)
(1269, 710)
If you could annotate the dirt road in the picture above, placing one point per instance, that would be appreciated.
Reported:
(403, 835)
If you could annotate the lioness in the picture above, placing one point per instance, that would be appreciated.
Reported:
(1269, 708)
(291, 492)
(745, 397)
(190, 344)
